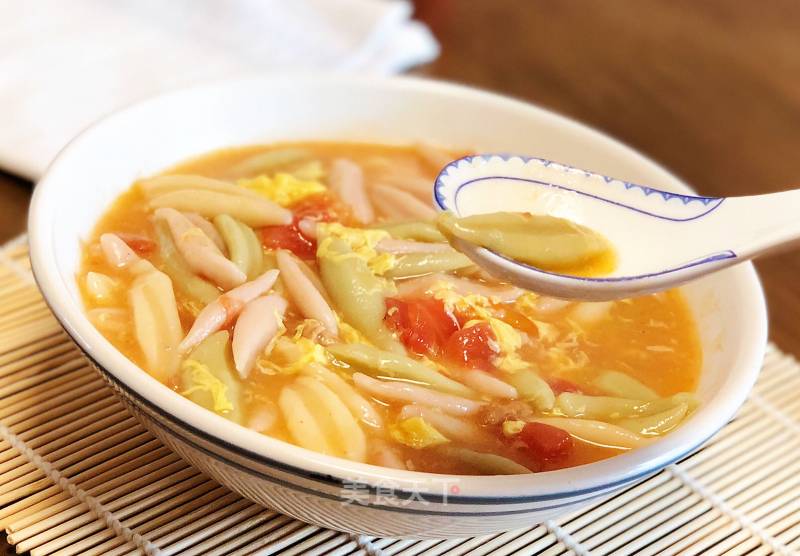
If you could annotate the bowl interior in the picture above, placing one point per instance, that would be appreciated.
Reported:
(153, 135)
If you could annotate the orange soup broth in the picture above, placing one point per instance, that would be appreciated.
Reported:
(652, 338)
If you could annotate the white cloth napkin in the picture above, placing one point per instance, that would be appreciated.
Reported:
(65, 63)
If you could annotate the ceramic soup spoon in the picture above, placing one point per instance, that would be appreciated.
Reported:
(661, 239)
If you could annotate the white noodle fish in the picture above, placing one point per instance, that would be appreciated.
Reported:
(485, 383)
(255, 328)
(401, 205)
(405, 392)
(304, 291)
(347, 181)
(226, 308)
(199, 252)
(208, 229)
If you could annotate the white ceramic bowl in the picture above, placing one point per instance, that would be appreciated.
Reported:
(152, 135)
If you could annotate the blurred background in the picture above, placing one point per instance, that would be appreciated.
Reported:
(709, 89)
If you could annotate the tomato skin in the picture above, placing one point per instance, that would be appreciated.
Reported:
(473, 347)
(288, 237)
(560, 385)
(423, 325)
(322, 208)
(545, 442)
(141, 245)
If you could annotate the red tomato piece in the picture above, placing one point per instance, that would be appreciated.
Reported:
(288, 237)
(473, 347)
(423, 325)
(323, 208)
(560, 385)
(141, 245)
(547, 442)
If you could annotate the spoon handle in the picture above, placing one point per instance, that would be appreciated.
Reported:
(754, 225)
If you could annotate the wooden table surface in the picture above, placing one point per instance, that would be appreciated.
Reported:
(709, 89)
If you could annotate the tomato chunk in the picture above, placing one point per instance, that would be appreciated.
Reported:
(288, 237)
(141, 245)
(560, 385)
(423, 325)
(323, 208)
(473, 347)
(546, 442)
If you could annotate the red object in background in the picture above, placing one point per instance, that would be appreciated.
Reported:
(423, 325)
(546, 443)
(473, 347)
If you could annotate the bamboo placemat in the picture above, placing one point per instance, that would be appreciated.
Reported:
(79, 475)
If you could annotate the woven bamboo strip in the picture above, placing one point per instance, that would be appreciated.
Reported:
(648, 507)
(321, 543)
(393, 546)
(199, 528)
(37, 433)
(660, 527)
(286, 536)
(194, 518)
(233, 527)
(106, 417)
(445, 546)
(681, 528)
(34, 364)
(23, 405)
(48, 370)
(20, 296)
(32, 353)
(479, 547)
(71, 531)
(64, 410)
(95, 481)
(21, 299)
(56, 535)
(273, 536)
(173, 508)
(73, 454)
(72, 461)
(530, 536)
(25, 316)
(28, 488)
(7, 276)
(11, 282)
(30, 332)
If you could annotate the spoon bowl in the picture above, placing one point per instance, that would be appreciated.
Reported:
(662, 239)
